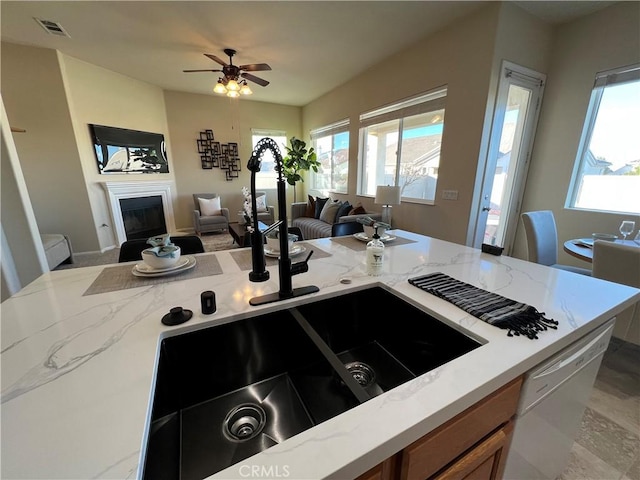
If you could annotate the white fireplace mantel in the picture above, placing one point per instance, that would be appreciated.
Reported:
(122, 190)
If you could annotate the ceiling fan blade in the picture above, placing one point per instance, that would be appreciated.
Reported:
(255, 67)
(190, 71)
(255, 79)
(215, 59)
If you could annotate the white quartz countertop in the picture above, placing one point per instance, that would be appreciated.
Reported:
(78, 370)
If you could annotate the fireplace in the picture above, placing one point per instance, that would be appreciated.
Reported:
(140, 209)
(143, 217)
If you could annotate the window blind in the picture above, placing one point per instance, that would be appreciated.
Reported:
(428, 102)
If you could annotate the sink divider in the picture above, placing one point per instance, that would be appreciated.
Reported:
(359, 392)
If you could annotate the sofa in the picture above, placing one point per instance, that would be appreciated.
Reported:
(313, 227)
(57, 249)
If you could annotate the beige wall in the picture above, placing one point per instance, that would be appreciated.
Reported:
(231, 121)
(35, 99)
(102, 97)
(604, 40)
(55, 96)
(23, 257)
(460, 57)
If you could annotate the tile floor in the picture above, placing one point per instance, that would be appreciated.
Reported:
(608, 445)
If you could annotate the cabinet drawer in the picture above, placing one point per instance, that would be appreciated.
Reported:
(485, 461)
(428, 455)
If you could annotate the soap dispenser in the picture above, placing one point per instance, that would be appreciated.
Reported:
(375, 254)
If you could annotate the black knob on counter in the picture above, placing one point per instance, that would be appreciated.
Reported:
(176, 316)
(208, 302)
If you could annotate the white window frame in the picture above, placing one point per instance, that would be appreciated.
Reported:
(620, 75)
(267, 179)
(424, 103)
(333, 129)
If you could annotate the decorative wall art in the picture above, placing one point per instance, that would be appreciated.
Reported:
(224, 156)
(119, 150)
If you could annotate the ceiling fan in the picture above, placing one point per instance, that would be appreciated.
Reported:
(230, 82)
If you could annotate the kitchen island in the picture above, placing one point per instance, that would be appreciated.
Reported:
(78, 362)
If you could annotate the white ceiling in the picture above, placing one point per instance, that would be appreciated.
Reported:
(311, 46)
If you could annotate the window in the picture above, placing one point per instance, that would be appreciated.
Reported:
(607, 170)
(267, 176)
(400, 145)
(331, 144)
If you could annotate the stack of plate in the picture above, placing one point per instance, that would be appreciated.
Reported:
(293, 251)
(385, 237)
(186, 262)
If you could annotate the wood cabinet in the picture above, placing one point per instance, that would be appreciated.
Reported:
(472, 446)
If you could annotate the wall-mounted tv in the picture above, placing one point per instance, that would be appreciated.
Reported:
(119, 150)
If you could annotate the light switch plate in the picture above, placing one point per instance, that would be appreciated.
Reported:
(450, 194)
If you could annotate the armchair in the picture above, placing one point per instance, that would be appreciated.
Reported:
(268, 215)
(212, 222)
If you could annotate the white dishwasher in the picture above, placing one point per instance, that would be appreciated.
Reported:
(552, 402)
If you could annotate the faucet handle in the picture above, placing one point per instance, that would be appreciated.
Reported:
(301, 267)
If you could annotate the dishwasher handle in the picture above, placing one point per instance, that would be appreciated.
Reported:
(571, 359)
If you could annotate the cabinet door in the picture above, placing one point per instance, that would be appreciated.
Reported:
(383, 471)
(483, 462)
(430, 454)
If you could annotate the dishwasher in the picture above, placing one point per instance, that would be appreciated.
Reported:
(553, 398)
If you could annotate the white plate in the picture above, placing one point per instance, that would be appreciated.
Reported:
(363, 237)
(584, 242)
(295, 250)
(145, 268)
(151, 272)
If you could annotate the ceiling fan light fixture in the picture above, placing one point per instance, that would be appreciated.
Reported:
(219, 88)
(245, 89)
(233, 94)
(233, 86)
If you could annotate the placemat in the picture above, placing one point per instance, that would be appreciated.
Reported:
(353, 243)
(518, 318)
(120, 277)
(243, 256)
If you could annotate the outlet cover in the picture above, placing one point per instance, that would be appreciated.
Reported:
(450, 194)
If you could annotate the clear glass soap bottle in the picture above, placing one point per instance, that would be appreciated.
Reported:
(375, 254)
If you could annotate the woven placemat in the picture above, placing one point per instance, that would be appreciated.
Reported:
(243, 256)
(353, 243)
(120, 277)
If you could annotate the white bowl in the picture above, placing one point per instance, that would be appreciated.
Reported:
(274, 243)
(604, 236)
(151, 257)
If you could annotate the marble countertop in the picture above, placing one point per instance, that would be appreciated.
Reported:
(77, 370)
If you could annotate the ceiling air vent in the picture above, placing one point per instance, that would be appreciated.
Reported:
(54, 28)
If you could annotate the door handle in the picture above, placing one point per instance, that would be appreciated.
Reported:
(486, 209)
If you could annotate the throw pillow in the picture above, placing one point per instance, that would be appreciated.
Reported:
(209, 206)
(311, 207)
(344, 209)
(261, 203)
(319, 206)
(329, 211)
(358, 210)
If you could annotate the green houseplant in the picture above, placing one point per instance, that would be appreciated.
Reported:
(297, 160)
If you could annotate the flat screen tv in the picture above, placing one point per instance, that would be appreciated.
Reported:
(119, 150)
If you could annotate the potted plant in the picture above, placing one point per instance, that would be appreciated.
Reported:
(298, 159)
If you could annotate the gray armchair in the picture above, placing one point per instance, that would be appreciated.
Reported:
(209, 223)
(269, 216)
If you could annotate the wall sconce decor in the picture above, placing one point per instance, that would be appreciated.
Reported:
(219, 155)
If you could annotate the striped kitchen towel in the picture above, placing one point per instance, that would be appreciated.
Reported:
(518, 318)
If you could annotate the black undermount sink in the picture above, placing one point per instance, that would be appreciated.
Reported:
(225, 393)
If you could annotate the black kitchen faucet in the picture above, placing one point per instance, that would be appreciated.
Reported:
(259, 273)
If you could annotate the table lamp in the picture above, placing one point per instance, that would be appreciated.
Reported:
(387, 196)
